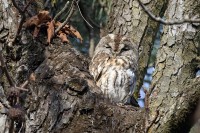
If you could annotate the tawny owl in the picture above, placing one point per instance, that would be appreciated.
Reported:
(113, 67)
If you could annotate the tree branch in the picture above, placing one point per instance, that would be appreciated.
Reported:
(166, 22)
(5, 103)
(3, 65)
(82, 15)
(16, 6)
(67, 19)
(22, 13)
(64, 8)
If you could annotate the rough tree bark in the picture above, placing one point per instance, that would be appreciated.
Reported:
(175, 88)
(175, 94)
(128, 18)
(64, 98)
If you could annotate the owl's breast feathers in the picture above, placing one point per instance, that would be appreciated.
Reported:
(101, 63)
(115, 77)
(118, 62)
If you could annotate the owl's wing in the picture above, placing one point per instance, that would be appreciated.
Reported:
(98, 64)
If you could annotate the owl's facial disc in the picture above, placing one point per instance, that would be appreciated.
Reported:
(107, 46)
(125, 48)
(113, 49)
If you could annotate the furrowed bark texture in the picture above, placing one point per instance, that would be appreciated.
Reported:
(128, 18)
(62, 96)
(8, 27)
(175, 88)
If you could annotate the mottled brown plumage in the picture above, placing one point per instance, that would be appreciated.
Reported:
(113, 67)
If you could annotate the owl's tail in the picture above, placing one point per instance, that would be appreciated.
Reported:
(130, 100)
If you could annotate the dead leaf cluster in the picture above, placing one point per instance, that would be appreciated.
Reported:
(43, 19)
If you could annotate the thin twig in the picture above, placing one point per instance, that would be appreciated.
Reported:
(21, 89)
(16, 6)
(24, 84)
(83, 16)
(146, 107)
(67, 19)
(27, 5)
(167, 22)
(9, 78)
(3, 65)
(5, 103)
(46, 3)
(152, 122)
(64, 8)
(20, 27)
(22, 13)
(94, 23)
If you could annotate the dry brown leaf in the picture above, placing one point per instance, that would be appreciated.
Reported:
(33, 21)
(64, 29)
(76, 33)
(57, 24)
(43, 17)
(50, 30)
(36, 20)
(32, 77)
(69, 30)
(36, 31)
(63, 37)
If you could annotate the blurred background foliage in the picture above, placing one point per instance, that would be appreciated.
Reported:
(95, 12)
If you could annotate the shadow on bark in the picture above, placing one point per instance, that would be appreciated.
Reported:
(64, 97)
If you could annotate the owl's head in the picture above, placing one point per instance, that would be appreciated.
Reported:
(116, 45)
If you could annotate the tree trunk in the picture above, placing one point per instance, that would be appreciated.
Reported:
(62, 96)
(128, 18)
(175, 88)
